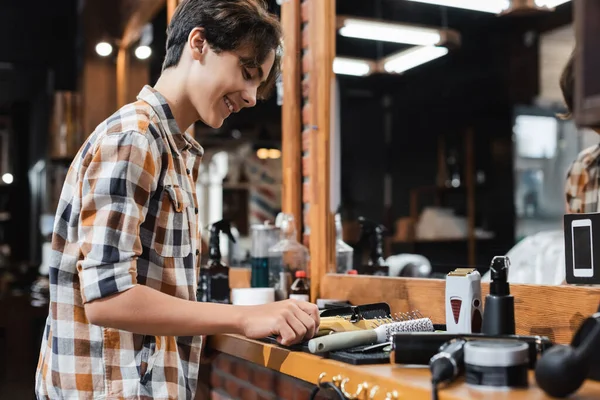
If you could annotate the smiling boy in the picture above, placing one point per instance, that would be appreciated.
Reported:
(123, 322)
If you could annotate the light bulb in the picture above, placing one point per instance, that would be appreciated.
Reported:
(104, 49)
(263, 154)
(274, 153)
(7, 178)
(143, 52)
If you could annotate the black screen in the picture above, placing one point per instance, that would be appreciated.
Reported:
(582, 247)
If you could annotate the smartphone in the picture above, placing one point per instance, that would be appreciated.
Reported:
(583, 249)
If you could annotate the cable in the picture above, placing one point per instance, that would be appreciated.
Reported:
(434, 390)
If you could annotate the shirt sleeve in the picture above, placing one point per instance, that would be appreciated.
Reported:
(115, 192)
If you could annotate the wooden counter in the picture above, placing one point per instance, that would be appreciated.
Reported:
(409, 383)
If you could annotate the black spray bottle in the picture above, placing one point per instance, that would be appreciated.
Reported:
(214, 277)
(499, 310)
(373, 232)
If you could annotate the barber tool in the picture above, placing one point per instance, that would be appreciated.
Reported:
(562, 370)
(463, 301)
(381, 334)
(447, 364)
(496, 363)
(418, 347)
(499, 315)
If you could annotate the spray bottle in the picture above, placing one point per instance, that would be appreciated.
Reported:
(214, 277)
(373, 232)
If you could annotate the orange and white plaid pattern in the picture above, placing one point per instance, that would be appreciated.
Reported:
(127, 216)
(581, 188)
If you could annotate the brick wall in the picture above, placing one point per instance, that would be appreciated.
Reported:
(231, 378)
(306, 120)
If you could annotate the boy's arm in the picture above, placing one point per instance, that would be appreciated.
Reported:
(144, 310)
(121, 176)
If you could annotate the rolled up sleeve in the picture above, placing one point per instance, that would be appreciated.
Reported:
(116, 188)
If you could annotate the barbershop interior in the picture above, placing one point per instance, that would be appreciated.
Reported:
(416, 173)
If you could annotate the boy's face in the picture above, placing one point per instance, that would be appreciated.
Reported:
(219, 84)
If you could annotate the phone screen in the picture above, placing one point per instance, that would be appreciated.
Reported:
(582, 247)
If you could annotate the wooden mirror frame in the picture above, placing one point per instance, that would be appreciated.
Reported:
(309, 43)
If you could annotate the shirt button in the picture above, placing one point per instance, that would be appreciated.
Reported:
(188, 171)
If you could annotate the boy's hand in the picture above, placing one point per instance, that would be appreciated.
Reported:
(291, 321)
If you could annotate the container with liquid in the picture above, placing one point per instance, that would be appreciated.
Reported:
(264, 236)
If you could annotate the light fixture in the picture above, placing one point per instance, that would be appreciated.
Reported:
(274, 154)
(262, 153)
(7, 178)
(104, 49)
(352, 66)
(388, 32)
(143, 52)
(550, 3)
(490, 6)
(402, 61)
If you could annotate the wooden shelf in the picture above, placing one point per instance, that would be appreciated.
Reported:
(408, 382)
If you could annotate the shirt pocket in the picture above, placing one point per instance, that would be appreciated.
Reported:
(172, 233)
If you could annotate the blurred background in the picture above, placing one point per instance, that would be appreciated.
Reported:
(458, 153)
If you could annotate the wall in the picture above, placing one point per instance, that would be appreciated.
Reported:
(232, 378)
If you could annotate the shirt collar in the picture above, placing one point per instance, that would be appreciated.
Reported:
(591, 157)
(182, 141)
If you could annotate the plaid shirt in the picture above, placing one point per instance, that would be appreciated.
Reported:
(127, 216)
(581, 189)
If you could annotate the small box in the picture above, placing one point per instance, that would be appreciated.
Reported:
(582, 248)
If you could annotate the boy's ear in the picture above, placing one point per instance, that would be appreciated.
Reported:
(197, 43)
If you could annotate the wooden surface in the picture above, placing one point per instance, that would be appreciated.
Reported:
(171, 6)
(122, 76)
(322, 48)
(553, 311)
(291, 129)
(410, 383)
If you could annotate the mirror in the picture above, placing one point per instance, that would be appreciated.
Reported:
(458, 152)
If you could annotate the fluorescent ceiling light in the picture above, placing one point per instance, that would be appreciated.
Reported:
(351, 66)
(491, 6)
(411, 58)
(550, 3)
(389, 32)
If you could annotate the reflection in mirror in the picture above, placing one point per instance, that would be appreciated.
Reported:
(445, 156)
(242, 184)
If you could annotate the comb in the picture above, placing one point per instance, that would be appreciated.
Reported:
(381, 334)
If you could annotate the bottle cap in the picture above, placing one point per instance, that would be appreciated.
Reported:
(353, 272)
(300, 274)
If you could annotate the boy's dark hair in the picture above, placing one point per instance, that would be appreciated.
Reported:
(229, 25)
(567, 86)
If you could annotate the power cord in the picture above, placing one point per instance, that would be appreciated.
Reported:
(327, 386)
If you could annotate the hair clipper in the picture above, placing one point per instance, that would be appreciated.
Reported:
(463, 301)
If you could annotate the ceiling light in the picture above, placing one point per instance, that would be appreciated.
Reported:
(351, 66)
(104, 49)
(389, 32)
(7, 178)
(405, 60)
(143, 52)
(262, 153)
(550, 3)
(274, 154)
(491, 6)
